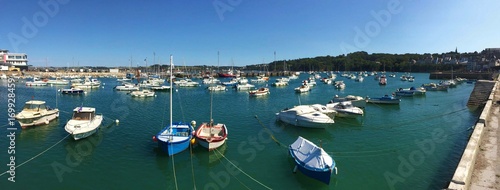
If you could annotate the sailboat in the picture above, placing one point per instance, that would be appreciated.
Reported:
(209, 135)
(176, 136)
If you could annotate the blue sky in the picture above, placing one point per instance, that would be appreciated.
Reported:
(108, 33)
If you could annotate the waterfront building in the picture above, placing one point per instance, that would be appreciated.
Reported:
(16, 60)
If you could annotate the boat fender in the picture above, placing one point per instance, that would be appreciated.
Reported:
(193, 141)
(336, 170)
(46, 121)
(154, 138)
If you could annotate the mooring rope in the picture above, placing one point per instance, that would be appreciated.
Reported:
(237, 179)
(32, 158)
(242, 170)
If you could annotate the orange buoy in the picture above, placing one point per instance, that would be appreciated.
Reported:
(154, 138)
(193, 140)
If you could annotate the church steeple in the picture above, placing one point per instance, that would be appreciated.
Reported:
(456, 50)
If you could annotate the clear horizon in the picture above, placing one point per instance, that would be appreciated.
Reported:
(62, 33)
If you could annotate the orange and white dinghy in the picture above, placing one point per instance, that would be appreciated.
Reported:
(211, 136)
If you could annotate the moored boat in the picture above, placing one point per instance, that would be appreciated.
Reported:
(83, 123)
(346, 109)
(142, 93)
(386, 99)
(35, 112)
(76, 91)
(312, 160)
(259, 92)
(357, 101)
(211, 136)
(175, 137)
(304, 116)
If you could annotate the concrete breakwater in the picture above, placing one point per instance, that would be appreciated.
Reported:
(465, 169)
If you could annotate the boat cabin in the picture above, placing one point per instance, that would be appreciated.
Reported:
(83, 113)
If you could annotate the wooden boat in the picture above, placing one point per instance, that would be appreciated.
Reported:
(35, 112)
(211, 136)
(259, 92)
(84, 122)
(312, 160)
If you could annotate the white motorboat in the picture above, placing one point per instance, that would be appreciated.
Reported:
(339, 84)
(303, 88)
(187, 83)
(36, 82)
(126, 87)
(416, 91)
(323, 109)
(210, 80)
(356, 101)
(217, 88)
(87, 83)
(58, 81)
(304, 116)
(259, 92)
(84, 122)
(245, 86)
(35, 112)
(142, 93)
(160, 88)
(346, 109)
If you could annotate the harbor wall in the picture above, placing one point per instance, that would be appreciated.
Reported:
(462, 177)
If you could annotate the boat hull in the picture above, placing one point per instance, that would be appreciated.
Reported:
(378, 101)
(211, 137)
(172, 148)
(175, 138)
(35, 121)
(80, 130)
(302, 121)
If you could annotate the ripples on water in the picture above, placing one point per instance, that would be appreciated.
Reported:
(382, 145)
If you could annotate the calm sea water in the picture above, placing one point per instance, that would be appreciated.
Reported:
(415, 145)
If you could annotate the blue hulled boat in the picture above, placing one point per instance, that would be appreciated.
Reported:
(175, 138)
(384, 100)
(312, 160)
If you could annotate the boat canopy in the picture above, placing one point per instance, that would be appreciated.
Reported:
(311, 156)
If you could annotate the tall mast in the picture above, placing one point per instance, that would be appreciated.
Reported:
(171, 81)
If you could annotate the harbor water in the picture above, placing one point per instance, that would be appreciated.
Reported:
(414, 145)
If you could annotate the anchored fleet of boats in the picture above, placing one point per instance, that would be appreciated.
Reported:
(176, 137)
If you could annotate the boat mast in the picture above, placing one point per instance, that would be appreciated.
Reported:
(171, 81)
